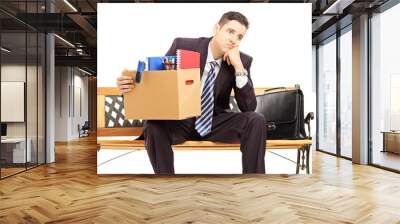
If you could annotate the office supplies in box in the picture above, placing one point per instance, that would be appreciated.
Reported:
(161, 63)
(140, 69)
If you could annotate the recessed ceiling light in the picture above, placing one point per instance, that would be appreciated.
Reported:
(64, 40)
(338, 6)
(5, 50)
(84, 71)
(70, 5)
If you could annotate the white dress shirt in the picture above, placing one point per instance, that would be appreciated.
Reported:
(240, 80)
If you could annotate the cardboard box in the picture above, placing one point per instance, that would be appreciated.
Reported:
(164, 95)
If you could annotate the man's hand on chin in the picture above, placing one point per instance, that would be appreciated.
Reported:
(232, 57)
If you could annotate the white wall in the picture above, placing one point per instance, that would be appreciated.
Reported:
(80, 83)
(67, 115)
(16, 73)
(34, 124)
(62, 81)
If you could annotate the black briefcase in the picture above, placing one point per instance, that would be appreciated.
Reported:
(283, 109)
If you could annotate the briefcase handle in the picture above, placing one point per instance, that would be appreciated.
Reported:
(271, 126)
(276, 88)
(297, 86)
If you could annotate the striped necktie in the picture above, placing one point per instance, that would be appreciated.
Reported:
(204, 121)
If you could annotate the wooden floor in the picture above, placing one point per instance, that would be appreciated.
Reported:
(70, 191)
(10, 171)
(5, 172)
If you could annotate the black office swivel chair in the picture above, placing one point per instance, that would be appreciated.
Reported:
(84, 130)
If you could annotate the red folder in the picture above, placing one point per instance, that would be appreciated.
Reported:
(187, 59)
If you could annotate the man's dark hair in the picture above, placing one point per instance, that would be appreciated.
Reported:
(228, 16)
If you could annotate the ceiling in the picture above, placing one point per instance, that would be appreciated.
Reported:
(76, 22)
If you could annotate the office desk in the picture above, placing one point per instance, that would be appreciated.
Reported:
(391, 141)
(13, 150)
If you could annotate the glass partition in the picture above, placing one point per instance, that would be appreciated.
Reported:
(31, 97)
(346, 93)
(41, 91)
(385, 89)
(13, 95)
(327, 96)
(22, 64)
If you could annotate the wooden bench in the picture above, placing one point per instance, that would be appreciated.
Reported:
(302, 146)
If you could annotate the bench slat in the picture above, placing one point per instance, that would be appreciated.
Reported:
(271, 144)
(120, 131)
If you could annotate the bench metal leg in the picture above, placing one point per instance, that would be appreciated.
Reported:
(298, 161)
(305, 157)
(302, 158)
(308, 159)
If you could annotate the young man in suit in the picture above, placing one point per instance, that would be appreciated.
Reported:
(223, 68)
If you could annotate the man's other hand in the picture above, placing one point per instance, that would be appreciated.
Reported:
(125, 82)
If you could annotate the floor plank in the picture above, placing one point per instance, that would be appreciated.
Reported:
(70, 191)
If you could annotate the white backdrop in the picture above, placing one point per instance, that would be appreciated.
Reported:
(279, 39)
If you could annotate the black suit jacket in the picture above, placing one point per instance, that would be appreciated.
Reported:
(226, 80)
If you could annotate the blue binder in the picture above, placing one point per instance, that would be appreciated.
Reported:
(157, 63)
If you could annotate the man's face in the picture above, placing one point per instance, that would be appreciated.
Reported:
(229, 35)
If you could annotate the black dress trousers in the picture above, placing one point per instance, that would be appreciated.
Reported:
(248, 128)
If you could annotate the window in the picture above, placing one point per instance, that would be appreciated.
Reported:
(346, 93)
(385, 88)
(327, 96)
